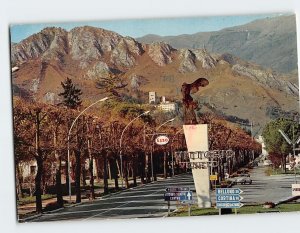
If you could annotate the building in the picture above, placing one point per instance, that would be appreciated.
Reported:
(168, 107)
(152, 97)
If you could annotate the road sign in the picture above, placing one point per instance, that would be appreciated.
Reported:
(228, 198)
(213, 177)
(178, 196)
(221, 205)
(228, 191)
(161, 140)
(177, 189)
(295, 190)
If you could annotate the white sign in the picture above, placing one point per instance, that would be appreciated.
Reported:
(295, 190)
(161, 140)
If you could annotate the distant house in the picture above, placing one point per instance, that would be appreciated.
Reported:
(168, 107)
(152, 97)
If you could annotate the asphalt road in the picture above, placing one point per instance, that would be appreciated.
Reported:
(266, 188)
(139, 202)
(148, 200)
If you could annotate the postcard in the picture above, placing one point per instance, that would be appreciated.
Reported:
(154, 118)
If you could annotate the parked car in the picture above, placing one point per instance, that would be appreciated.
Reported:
(243, 180)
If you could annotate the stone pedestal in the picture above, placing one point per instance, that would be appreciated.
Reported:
(196, 137)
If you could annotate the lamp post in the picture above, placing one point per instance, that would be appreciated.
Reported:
(68, 142)
(153, 143)
(121, 161)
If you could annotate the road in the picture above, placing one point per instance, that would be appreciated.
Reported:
(147, 201)
(139, 202)
(266, 188)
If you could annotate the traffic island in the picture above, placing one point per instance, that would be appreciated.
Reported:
(246, 209)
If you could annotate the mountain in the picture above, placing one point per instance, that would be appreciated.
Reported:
(238, 90)
(270, 42)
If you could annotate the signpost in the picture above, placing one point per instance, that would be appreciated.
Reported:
(182, 194)
(228, 198)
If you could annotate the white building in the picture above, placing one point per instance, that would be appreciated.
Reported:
(168, 107)
(152, 97)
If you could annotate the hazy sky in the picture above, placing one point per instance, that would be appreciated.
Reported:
(140, 27)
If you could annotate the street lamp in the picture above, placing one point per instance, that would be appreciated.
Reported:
(68, 142)
(168, 121)
(121, 161)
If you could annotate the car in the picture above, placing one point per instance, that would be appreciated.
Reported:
(242, 180)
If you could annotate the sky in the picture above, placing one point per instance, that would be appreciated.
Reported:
(141, 27)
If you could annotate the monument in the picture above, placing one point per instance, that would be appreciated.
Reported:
(196, 136)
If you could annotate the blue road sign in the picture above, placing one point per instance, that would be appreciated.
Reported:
(233, 205)
(228, 191)
(228, 198)
(178, 196)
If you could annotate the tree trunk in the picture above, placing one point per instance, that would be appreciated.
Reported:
(38, 181)
(155, 166)
(19, 182)
(142, 167)
(58, 186)
(165, 165)
(39, 160)
(83, 175)
(67, 172)
(91, 170)
(126, 174)
(147, 168)
(105, 175)
(59, 196)
(77, 176)
(134, 168)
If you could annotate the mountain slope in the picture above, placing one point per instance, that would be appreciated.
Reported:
(237, 89)
(270, 42)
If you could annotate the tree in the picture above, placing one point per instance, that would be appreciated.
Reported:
(275, 143)
(71, 94)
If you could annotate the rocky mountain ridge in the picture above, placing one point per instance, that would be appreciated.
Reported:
(87, 54)
(269, 42)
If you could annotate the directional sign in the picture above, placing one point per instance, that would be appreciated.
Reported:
(178, 196)
(228, 191)
(177, 189)
(229, 205)
(228, 198)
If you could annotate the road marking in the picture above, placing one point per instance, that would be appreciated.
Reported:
(114, 208)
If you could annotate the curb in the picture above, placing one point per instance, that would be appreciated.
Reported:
(23, 220)
(286, 200)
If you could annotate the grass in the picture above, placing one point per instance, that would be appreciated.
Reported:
(278, 171)
(29, 199)
(251, 209)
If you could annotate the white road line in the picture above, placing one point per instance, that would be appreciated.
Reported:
(108, 209)
(113, 208)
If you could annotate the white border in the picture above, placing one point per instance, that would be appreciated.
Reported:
(24, 11)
